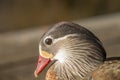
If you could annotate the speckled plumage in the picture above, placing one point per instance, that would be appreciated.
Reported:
(110, 70)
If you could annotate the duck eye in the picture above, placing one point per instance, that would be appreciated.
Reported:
(48, 41)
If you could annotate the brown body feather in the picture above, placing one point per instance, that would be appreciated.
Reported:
(110, 70)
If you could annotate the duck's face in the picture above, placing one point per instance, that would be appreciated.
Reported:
(69, 44)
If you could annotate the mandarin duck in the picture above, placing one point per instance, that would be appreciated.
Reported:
(69, 51)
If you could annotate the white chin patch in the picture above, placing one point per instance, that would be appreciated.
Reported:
(39, 49)
(60, 56)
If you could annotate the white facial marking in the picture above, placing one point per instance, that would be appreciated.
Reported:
(40, 49)
(60, 56)
(64, 37)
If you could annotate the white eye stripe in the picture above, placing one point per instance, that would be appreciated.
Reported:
(64, 37)
(60, 38)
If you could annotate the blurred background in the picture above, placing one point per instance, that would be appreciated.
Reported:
(22, 22)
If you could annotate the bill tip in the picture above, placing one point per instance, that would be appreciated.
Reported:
(35, 74)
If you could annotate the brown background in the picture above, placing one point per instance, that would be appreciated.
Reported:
(21, 14)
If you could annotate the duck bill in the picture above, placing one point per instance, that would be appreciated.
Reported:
(43, 60)
(42, 63)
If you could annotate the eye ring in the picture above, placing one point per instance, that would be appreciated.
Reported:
(48, 41)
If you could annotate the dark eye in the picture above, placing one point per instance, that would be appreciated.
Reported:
(48, 41)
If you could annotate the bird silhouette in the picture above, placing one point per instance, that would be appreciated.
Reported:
(69, 51)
